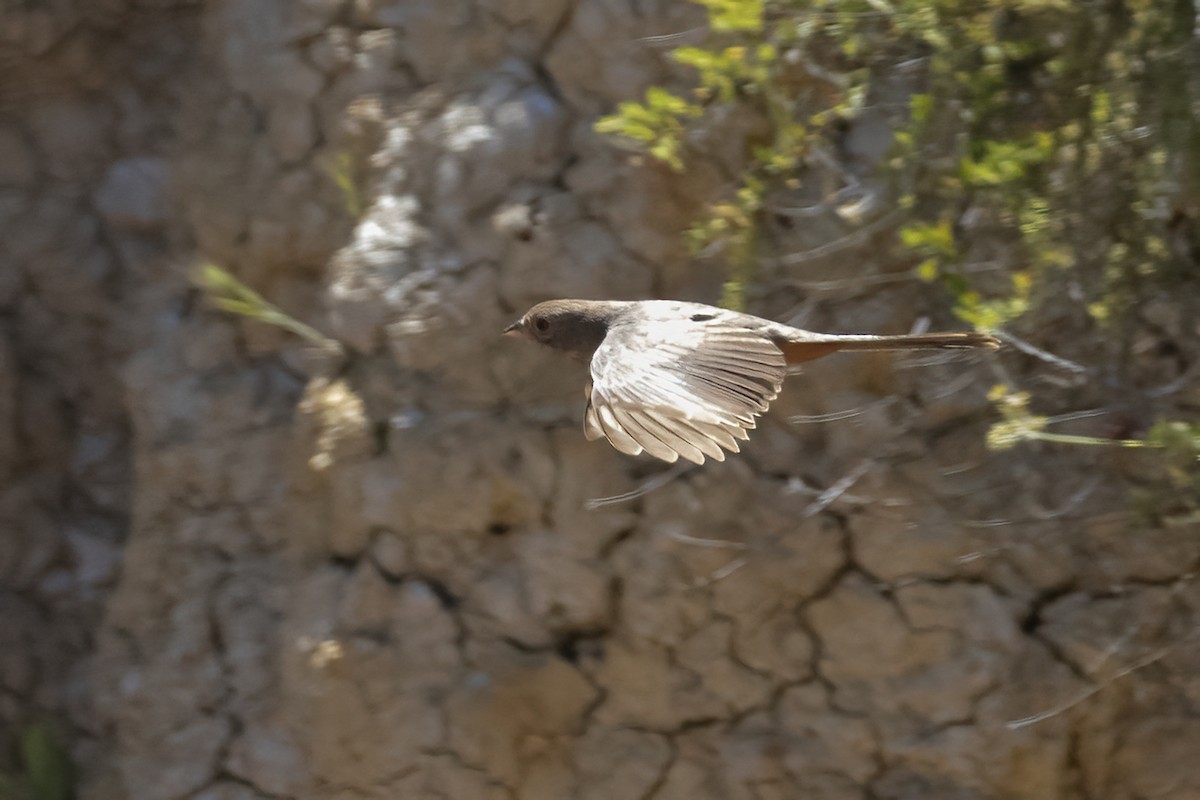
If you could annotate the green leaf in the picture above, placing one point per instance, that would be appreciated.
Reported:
(1177, 437)
(927, 270)
(920, 107)
(936, 238)
(231, 295)
(729, 16)
(48, 767)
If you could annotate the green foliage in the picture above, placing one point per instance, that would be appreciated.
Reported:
(1005, 162)
(1169, 490)
(732, 224)
(45, 768)
(727, 16)
(1019, 424)
(657, 123)
(1170, 493)
(740, 66)
(1016, 424)
(990, 314)
(723, 72)
(1035, 101)
(1052, 131)
(229, 294)
(930, 238)
(1180, 439)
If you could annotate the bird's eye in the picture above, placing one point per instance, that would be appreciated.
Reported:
(540, 324)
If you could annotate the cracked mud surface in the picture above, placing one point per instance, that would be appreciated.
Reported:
(230, 573)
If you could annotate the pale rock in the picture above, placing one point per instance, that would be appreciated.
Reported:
(96, 559)
(391, 553)
(267, 758)
(602, 763)
(643, 689)
(8, 409)
(17, 163)
(523, 696)
(68, 135)
(567, 589)
(822, 739)
(226, 790)
(134, 193)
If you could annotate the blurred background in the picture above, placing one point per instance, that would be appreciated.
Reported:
(283, 516)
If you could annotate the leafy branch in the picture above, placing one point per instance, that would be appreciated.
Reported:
(1047, 137)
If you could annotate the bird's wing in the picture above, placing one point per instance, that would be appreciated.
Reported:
(684, 385)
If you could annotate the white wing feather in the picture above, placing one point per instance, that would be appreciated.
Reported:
(675, 386)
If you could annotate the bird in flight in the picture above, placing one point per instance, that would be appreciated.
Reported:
(685, 380)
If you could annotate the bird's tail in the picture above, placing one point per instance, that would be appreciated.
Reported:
(917, 341)
(817, 345)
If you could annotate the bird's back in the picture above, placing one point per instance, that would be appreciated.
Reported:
(692, 320)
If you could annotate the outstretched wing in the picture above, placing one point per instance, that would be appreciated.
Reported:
(682, 386)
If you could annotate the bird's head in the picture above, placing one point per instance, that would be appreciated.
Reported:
(576, 327)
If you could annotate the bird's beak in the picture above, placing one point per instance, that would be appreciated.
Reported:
(515, 329)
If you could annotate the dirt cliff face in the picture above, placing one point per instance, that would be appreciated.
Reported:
(231, 570)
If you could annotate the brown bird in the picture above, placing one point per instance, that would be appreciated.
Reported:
(684, 379)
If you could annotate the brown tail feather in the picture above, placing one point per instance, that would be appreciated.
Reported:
(799, 351)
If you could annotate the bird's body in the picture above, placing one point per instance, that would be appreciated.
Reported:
(677, 379)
